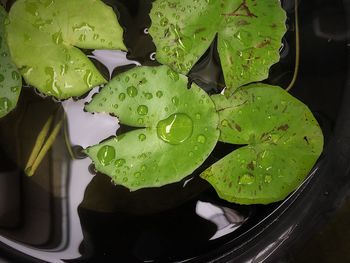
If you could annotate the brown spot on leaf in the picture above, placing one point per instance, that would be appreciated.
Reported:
(251, 166)
(264, 43)
(283, 127)
(238, 128)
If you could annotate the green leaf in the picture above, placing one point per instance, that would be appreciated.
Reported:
(44, 37)
(180, 128)
(10, 79)
(283, 141)
(249, 35)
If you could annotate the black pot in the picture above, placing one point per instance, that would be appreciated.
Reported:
(40, 220)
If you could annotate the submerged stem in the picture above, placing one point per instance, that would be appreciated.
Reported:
(39, 143)
(50, 140)
(297, 47)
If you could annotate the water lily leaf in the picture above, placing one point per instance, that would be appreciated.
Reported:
(179, 128)
(249, 35)
(44, 37)
(10, 79)
(283, 141)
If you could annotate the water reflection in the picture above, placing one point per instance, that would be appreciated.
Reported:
(226, 219)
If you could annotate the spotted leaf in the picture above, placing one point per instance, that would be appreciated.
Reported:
(283, 141)
(249, 35)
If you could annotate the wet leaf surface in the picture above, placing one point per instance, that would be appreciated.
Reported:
(249, 35)
(178, 128)
(44, 37)
(283, 141)
(10, 79)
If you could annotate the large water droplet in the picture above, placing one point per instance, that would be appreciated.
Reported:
(175, 129)
(106, 155)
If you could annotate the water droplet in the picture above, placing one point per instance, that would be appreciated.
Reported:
(140, 121)
(119, 162)
(137, 174)
(148, 95)
(247, 179)
(15, 75)
(164, 21)
(121, 96)
(142, 137)
(175, 100)
(5, 104)
(224, 123)
(190, 154)
(83, 27)
(173, 75)
(125, 179)
(201, 139)
(57, 38)
(159, 14)
(175, 129)
(166, 48)
(268, 178)
(132, 91)
(142, 110)
(106, 155)
(159, 94)
(15, 89)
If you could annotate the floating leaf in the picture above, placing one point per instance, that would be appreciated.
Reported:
(10, 79)
(44, 37)
(283, 143)
(249, 35)
(181, 128)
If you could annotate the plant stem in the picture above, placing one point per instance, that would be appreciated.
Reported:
(39, 142)
(297, 47)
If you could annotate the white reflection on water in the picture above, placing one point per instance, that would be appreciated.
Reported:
(226, 219)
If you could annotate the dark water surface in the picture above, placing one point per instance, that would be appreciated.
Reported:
(67, 211)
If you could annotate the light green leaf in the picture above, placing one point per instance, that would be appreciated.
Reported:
(44, 37)
(10, 79)
(283, 141)
(181, 128)
(249, 35)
